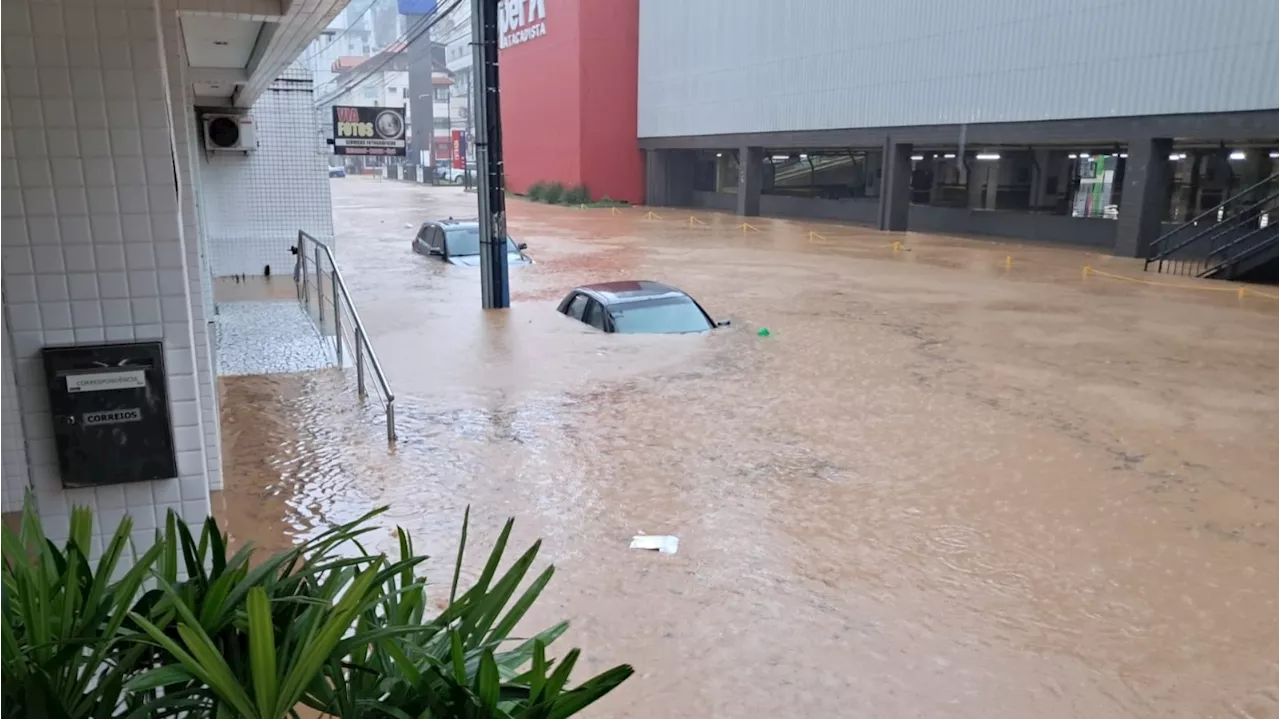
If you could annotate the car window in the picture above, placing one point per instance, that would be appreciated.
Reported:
(594, 315)
(577, 307)
(465, 242)
(434, 237)
(422, 232)
(676, 314)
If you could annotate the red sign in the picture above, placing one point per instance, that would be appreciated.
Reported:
(459, 151)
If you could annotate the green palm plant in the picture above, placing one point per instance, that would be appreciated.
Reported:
(61, 648)
(348, 633)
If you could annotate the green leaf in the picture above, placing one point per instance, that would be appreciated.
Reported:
(572, 702)
(163, 676)
(522, 605)
(462, 546)
(262, 648)
(487, 682)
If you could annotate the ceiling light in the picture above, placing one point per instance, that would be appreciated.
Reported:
(917, 158)
(719, 154)
(1237, 155)
(1274, 155)
(1124, 155)
(1115, 154)
(1072, 156)
(1178, 156)
(988, 156)
(949, 156)
(804, 157)
(780, 157)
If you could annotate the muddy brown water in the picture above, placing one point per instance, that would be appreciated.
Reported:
(944, 486)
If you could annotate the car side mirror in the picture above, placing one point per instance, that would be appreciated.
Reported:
(723, 323)
(522, 246)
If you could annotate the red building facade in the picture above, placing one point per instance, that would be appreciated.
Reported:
(569, 73)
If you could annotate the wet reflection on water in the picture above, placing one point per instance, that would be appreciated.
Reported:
(941, 488)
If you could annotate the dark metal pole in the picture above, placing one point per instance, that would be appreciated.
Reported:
(494, 288)
(467, 133)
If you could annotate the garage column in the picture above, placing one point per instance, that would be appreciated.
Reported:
(895, 189)
(750, 161)
(669, 178)
(1144, 196)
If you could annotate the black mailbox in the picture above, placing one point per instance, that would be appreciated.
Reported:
(110, 413)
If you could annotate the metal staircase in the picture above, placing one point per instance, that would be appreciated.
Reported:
(1226, 242)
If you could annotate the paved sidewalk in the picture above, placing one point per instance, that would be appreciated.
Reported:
(268, 338)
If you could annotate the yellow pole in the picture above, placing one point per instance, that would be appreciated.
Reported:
(1084, 272)
(1008, 261)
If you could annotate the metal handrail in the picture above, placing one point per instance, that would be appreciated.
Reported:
(1211, 266)
(1158, 252)
(361, 344)
(1210, 240)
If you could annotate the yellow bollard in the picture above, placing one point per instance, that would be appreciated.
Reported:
(1008, 261)
(897, 246)
(1240, 293)
(651, 215)
(1084, 272)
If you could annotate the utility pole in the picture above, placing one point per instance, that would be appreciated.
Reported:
(495, 290)
(467, 131)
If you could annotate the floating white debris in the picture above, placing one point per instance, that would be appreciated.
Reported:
(664, 543)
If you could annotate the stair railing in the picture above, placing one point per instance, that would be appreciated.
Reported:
(335, 311)
(1220, 228)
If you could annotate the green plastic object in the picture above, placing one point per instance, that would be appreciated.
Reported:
(764, 332)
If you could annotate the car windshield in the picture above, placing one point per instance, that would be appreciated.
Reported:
(673, 314)
(464, 242)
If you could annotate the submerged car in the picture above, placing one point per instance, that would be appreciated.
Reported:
(337, 172)
(636, 306)
(458, 243)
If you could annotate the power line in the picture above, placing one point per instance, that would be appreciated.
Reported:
(416, 32)
(350, 26)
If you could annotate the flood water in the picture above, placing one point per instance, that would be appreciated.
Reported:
(947, 484)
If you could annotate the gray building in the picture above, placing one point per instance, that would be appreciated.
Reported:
(1098, 122)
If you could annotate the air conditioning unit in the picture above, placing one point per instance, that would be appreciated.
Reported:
(229, 133)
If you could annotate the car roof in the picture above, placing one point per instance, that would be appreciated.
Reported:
(612, 293)
(452, 223)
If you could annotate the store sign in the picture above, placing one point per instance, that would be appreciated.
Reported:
(368, 130)
(520, 21)
(459, 139)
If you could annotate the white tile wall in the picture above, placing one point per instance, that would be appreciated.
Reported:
(186, 145)
(14, 477)
(93, 241)
(254, 205)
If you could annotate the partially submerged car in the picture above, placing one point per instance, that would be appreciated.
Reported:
(458, 243)
(636, 306)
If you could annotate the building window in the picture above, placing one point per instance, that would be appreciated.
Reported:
(391, 91)
(405, 93)
(370, 92)
(441, 123)
(442, 94)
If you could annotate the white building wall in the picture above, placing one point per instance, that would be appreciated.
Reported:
(254, 205)
(728, 66)
(14, 476)
(93, 235)
(186, 143)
